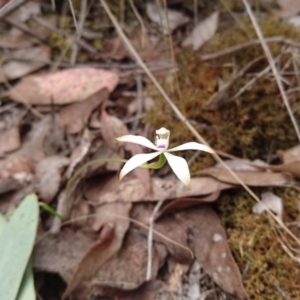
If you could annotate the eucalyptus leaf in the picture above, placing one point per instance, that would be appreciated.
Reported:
(27, 291)
(16, 244)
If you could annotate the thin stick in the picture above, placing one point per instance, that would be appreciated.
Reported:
(273, 66)
(150, 238)
(82, 16)
(274, 39)
(73, 15)
(10, 6)
(178, 112)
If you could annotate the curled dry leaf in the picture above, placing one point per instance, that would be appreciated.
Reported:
(269, 201)
(79, 152)
(9, 140)
(202, 32)
(169, 19)
(290, 155)
(211, 248)
(61, 253)
(248, 177)
(48, 174)
(134, 191)
(121, 273)
(182, 203)
(63, 87)
(37, 58)
(75, 116)
(97, 255)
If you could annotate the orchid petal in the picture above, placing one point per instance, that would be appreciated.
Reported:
(136, 161)
(137, 139)
(192, 146)
(179, 167)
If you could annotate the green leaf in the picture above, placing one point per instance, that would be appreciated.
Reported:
(2, 223)
(16, 244)
(27, 291)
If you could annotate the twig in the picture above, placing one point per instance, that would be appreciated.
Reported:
(273, 66)
(180, 115)
(10, 7)
(275, 39)
(73, 15)
(82, 16)
(218, 97)
(79, 41)
(252, 81)
(24, 28)
(150, 239)
(140, 101)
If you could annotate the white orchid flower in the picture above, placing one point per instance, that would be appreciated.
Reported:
(177, 164)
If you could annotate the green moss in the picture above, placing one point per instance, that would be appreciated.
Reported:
(244, 127)
(256, 247)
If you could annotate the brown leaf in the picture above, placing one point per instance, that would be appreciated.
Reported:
(76, 115)
(63, 87)
(288, 8)
(202, 32)
(166, 231)
(211, 248)
(48, 173)
(79, 152)
(62, 253)
(134, 191)
(114, 217)
(37, 58)
(16, 39)
(249, 177)
(97, 255)
(9, 140)
(290, 155)
(148, 291)
(168, 19)
(113, 128)
(182, 203)
(116, 271)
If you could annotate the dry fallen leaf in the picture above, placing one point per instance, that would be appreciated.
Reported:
(169, 19)
(202, 32)
(134, 191)
(97, 255)
(289, 8)
(75, 116)
(9, 140)
(208, 239)
(269, 201)
(182, 203)
(63, 87)
(37, 58)
(169, 230)
(79, 152)
(249, 177)
(17, 39)
(61, 253)
(48, 173)
(290, 155)
(126, 270)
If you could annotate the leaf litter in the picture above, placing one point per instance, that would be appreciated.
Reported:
(61, 117)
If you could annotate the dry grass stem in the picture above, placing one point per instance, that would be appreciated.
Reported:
(272, 65)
